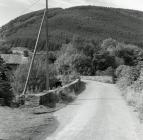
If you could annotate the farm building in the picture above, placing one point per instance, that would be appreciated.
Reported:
(14, 60)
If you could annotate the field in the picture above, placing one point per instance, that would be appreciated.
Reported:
(20, 124)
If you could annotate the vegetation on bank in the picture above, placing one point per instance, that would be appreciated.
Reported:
(82, 57)
(91, 54)
(129, 79)
(5, 87)
(124, 62)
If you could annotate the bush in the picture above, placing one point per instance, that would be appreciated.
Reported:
(5, 88)
(138, 85)
(130, 80)
(67, 96)
(71, 60)
(126, 77)
(130, 73)
(37, 81)
(130, 53)
(108, 72)
(102, 61)
(5, 92)
(82, 64)
(68, 78)
(26, 53)
(109, 44)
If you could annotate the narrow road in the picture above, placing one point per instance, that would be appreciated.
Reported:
(99, 113)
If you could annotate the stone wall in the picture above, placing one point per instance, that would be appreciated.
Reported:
(49, 98)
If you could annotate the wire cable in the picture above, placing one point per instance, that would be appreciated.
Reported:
(33, 4)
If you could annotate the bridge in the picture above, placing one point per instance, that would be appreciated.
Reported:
(98, 113)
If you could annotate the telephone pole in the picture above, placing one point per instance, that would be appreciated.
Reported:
(34, 54)
(47, 48)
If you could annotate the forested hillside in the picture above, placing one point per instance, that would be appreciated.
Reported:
(89, 21)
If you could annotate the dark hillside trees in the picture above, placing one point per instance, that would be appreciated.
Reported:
(5, 87)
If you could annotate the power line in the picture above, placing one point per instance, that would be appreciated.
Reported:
(34, 3)
(47, 48)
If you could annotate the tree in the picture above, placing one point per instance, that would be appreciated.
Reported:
(37, 80)
(102, 61)
(82, 64)
(109, 43)
(5, 88)
(85, 46)
(78, 42)
(130, 53)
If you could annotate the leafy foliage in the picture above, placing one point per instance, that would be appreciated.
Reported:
(37, 81)
(5, 88)
(82, 64)
(130, 81)
(130, 53)
(88, 58)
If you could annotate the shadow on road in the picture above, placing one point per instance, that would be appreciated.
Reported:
(82, 88)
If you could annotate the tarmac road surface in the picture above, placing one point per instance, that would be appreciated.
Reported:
(99, 113)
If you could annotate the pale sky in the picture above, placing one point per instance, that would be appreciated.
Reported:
(10, 9)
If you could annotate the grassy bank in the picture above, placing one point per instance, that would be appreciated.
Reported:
(19, 124)
(129, 80)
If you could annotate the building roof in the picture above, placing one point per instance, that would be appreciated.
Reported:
(14, 59)
(19, 49)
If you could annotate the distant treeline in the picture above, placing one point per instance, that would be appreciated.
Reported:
(87, 21)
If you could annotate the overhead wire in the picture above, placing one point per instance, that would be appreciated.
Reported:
(33, 4)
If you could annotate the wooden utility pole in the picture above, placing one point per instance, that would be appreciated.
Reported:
(34, 54)
(47, 48)
(45, 16)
